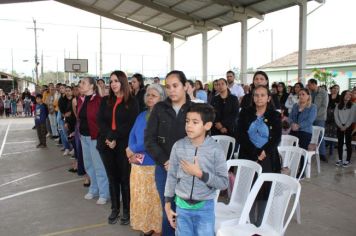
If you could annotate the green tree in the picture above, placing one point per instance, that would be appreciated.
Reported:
(325, 77)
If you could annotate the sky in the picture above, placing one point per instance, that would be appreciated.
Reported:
(133, 50)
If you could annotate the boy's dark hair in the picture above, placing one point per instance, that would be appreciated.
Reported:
(205, 111)
(313, 81)
(39, 96)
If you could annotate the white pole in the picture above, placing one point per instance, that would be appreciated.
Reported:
(302, 40)
(205, 56)
(101, 53)
(172, 53)
(243, 70)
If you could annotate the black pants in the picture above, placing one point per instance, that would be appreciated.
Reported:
(41, 133)
(118, 171)
(344, 137)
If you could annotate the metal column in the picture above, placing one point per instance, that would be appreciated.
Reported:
(205, 56)
(172, 53)
(243, 71)
(302, 40)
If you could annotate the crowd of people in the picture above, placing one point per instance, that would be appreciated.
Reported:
(151, 147)
(14, 104)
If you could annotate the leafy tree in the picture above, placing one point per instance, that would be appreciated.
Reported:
(325, 77)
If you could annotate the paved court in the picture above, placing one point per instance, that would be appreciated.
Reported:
(38, 196)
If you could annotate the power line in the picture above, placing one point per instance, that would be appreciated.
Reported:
(76, 26)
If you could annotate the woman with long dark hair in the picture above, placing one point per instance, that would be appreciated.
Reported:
(200, 92)
(226, 108)
(116, 117)
(259, 78)
(330, 126)
(138, 90)
(259, 133)
(345, 115)
(88, 108)
(293, 96)
(165, 126)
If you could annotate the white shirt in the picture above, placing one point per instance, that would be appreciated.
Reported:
(237, 90)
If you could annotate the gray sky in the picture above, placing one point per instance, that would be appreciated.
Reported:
(330, 25)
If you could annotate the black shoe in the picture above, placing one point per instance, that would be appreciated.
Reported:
(34, 127)
(113, 217)
(73, 170)
(86, 184)
(125, 219)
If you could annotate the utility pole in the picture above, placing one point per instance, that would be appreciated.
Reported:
(42, 75)
(77, 46)
(12, 69)
(101, 53)
(36, 56)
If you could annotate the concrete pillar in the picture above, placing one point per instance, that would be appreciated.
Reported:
(172, 53)
(205, 56)
(302, 40)
(243, 69)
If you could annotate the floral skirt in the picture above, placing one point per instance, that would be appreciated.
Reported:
(145, 204)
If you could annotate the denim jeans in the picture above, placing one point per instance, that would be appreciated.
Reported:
(322, 150)
(200, 222)
(53, 122)
(161, 177)
(62, 131)
(94, 167)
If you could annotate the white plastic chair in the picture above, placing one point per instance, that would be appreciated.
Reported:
(225, 142)
(273, 222)
(230, 213)
(289, 140)
(317, 138)
(291, 157)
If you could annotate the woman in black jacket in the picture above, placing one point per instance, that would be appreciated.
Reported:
(259, 78)
(226, 108)
(116, 117)
(165, 126)
(259, 133)
(138, 90)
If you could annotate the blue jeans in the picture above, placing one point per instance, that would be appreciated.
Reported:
(94, 167)
(160, 177)
(62, 131)
(53, 122)
(200, 222)
(322, 150)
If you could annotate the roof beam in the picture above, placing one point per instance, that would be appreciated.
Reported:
(120, 19)
(135, 11)
(179, 15)
(239, 9)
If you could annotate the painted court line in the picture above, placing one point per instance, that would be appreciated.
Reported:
(28, 141)
(13, 153)
(31, 175)
(4, 140)
(76, 229)
(39, 188)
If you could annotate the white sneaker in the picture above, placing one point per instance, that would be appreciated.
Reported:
(56, 140)
(66, 152)
(48, 135)
(88, 196)
(101, 201)
(71, 152)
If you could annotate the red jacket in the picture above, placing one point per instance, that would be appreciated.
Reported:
(92, 111)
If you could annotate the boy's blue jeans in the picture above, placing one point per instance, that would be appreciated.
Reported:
(199, 222)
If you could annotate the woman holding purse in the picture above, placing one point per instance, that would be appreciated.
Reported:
(145, 206)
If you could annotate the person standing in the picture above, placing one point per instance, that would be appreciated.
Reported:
(165, 126)
(138, 90)
(116, 116)
(302, 117)
(88, 108)
(259, 78)
(321, 99)
(234, 88)
(330, 126)
(345, 115)
(145, 205)
(40, 121)
(293, 96)
(259, 133)
(226, 108)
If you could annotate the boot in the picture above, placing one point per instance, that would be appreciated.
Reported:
(125, 219)
(113, 217)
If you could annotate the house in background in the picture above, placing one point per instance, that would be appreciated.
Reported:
(340, 61)
(9, 83)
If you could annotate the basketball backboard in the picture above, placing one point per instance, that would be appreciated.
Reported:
(76, 65)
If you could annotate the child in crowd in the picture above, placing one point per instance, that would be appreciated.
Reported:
(197, 169)
(41, 114)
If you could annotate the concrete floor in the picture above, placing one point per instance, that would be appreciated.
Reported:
(38, 196)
